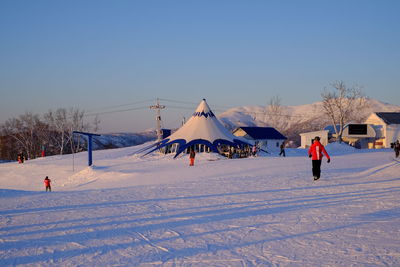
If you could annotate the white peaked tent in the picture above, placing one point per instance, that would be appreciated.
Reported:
(202, 128)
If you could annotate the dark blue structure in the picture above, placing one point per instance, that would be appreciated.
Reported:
(331, 129)
(263, 133)
(89, 135)
(184, 145)
(165, 133)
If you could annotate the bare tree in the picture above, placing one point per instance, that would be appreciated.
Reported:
(274, 114)
(27, 131)
(63, 122)
(58, 123)
(76, 123)
(340, 104)
(96, 123)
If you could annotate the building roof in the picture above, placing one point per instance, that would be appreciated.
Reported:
(315, 133)
(389, 117)
(263, 133)
(331, 129)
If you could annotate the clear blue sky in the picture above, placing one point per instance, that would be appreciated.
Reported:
(96, 54)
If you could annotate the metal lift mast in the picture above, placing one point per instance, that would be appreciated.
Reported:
(158, 109)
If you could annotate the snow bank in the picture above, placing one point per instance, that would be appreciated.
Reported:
(337, 148)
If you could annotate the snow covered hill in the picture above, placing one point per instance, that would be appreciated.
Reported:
(129, 210)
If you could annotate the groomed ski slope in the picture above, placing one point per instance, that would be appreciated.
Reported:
(156, 211)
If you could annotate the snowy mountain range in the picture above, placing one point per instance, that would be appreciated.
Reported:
(291, 115)
(116, 140)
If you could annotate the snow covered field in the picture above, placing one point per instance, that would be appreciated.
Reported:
(157, 211)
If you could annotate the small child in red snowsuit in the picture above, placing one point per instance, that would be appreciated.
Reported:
(47, 182)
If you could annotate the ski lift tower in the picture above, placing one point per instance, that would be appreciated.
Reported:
(158, 109)
(89, 135)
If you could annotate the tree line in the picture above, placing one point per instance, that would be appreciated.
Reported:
(52, 133)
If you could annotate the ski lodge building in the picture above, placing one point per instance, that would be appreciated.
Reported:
(387, 126)
(306, 138)
(379, 131)
(267, 138)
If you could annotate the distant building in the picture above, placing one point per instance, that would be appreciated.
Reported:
(379, 131)
(387, 127)
(359, 135)
(268, 138)
(307, 138)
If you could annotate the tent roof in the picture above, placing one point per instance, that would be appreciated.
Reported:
(203, 125)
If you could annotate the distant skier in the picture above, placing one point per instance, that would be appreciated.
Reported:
(315, 153)
(231, 152)
(254, 150)
(396, 148)
(47, 183)
(192, 155)
(21, 157)
(282, 147)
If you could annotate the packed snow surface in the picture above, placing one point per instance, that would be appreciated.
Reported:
(129, 210)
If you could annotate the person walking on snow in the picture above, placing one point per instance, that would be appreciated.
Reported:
(315, 153)
(47, 182)
(397, 148)
(282, 147)
(192, 155)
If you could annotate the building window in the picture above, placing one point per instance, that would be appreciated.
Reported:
(277, 144)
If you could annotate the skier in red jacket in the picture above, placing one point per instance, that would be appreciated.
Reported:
(47, 182)
(315, 153)
(192, 155)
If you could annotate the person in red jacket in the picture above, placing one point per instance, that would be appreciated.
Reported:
(192, 155)
(315, 153)
(47, 182)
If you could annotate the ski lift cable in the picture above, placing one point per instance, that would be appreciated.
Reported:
(121, 105)
(115, 111)
(92, 113)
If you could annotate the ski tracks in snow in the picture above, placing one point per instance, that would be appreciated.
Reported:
(280, 218)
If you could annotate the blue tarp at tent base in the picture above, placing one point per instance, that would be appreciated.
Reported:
(182, 145)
